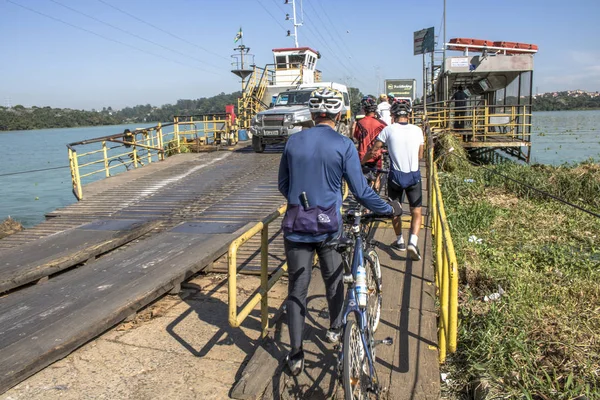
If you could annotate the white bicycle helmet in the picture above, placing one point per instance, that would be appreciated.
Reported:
(326, 101)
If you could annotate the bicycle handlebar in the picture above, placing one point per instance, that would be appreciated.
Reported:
(369, 217)
(378, 170)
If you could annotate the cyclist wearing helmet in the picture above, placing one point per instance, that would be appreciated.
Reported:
(367, 130)
(405, 148)
(359, 116)
(391, 98)
(311, 170)
(405, 102)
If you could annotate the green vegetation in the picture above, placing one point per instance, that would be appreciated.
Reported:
(21, 118)
(541, 340)
(566, 101)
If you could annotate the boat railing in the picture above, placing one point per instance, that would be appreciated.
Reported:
(267, 280)
(94, 159)
(446, 266)
(479, 122)
(202, 129)
(251, 101)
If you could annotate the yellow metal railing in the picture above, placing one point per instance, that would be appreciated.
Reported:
(121, 151)
(482, 122)
(236, 318)
(261, 294)
(445, 264)
(204, 129)
(252, 94)
(113, 154)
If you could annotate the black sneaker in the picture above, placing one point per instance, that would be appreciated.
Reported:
(398, 246)
(295, 363)
(413, 252)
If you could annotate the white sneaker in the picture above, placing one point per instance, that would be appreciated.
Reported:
(413, 252)
(333, 335)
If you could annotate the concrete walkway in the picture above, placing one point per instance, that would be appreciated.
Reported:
(180, 347)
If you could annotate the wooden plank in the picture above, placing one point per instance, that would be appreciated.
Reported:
(52, 254)
(43, 323)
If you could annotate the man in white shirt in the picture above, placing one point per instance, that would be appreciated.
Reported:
(405, 147)
(383, 109)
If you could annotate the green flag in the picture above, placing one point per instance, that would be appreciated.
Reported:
(238, 36)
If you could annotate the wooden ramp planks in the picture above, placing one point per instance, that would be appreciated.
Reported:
(43, 323)
(200, 210)
(52, 254)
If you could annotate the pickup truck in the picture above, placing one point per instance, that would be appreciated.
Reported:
(289, 113)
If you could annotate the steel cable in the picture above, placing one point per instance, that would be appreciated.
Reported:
(550, 195)
(34, 170)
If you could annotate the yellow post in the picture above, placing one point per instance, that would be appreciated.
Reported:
(438, 245)
(176, 134)
(264, 280)
(104, 150)
(159, 136)
(444, 306)
(149, 141)
(232, 285)
(75, 177)
(486, 120)
(453, 307)
(512, 122)
(134, 152)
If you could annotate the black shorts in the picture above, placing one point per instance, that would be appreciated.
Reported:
(415, 197)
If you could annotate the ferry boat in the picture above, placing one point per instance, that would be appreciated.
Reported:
(497, 77)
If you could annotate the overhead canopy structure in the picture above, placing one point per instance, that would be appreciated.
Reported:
(496, 111)
(486, 73)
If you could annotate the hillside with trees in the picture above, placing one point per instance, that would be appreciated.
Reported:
(569, 100)
(21, 118)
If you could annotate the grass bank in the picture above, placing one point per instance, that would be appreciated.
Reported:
(541, 340)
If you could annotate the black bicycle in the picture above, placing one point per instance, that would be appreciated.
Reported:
(362, 274)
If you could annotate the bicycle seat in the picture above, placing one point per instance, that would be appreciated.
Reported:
(341, 244)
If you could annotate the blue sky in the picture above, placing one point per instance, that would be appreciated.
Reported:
(84, 63)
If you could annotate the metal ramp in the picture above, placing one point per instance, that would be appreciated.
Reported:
(199, 203)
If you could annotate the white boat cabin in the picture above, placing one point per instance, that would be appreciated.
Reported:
(296, 66)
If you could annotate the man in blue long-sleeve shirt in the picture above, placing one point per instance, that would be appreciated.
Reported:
(312, 167)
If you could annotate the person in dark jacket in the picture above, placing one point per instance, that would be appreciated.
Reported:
(460, 107)
(311, 170)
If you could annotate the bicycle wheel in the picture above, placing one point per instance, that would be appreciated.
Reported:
(354, 378)
(375, 297)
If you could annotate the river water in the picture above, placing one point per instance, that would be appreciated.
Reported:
(557, 137)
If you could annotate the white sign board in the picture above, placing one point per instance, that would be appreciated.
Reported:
(458, 62)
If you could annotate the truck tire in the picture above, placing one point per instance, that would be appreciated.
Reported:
(343, 129)
(257, 145)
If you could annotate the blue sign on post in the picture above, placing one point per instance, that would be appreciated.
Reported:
(424, 41)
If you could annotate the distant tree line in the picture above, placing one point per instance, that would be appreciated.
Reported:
(21, 118)
(565, 101)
